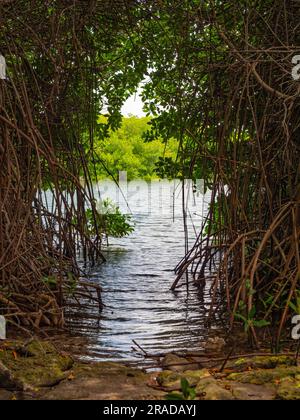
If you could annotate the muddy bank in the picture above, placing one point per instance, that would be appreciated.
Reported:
(37, 370)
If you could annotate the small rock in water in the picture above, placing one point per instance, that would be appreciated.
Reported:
(215, 344)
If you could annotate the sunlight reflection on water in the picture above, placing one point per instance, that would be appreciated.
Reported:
(136, 283)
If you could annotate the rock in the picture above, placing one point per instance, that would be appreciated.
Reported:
(247, 392)
(39, 365)
(214, 345)
(169, 379)
(178, 364)
(6, 395)
(36, 370)
(172, 380)
(260, 362)
(263, 376)
(289, 389)
(38, 348)
(194, 376)
(104, 381)
(54, 376)
(7, 379)
(209, 389)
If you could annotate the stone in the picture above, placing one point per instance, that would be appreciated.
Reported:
(7, 379)
(260, 362)
(194, 376)
(178, 364)
(263, 376)
(104, 381)
(248, 392)
(289, 389)
(36, 370)
(172, 380)
(214, 345)
(6, 395)
(209, 389)
(169, 379)
(38, 364)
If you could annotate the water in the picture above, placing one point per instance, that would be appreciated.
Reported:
(139, 272)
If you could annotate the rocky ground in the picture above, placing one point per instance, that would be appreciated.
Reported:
(36, 370)
(251, 378)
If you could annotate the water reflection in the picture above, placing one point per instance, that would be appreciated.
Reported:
(136, 284)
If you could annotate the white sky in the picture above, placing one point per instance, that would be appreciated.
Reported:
(134, 106)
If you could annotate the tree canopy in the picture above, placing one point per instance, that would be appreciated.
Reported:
(125, 149)
(216, 79)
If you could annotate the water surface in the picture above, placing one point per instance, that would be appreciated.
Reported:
(138, 274)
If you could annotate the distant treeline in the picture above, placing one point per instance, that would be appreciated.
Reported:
(126, 149)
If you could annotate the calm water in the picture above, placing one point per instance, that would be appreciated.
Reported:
(139, 271)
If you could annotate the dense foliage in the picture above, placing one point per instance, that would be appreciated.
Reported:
(220, 82)
(109, 219)
(217, 83)
(126, 149)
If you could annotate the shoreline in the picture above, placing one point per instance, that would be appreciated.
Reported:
(36, 370)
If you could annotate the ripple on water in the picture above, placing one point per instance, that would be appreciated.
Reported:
(136, 282)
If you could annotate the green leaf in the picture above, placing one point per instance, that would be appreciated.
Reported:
(239, 316)
(261, 323)
(174, 396)
(185, 387)
(252, 313)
